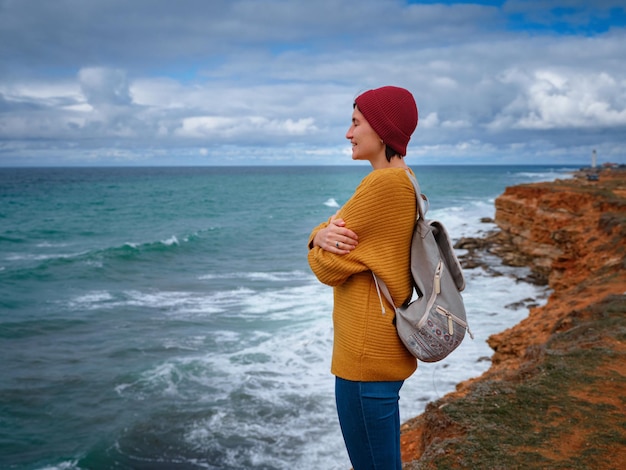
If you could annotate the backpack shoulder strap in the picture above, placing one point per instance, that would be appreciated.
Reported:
(422, 201)
(422, 207)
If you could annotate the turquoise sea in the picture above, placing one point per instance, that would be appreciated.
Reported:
(166, 318)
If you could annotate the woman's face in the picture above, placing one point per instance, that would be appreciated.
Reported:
(366, 144)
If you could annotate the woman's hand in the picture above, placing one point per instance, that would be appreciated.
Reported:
(336, 238)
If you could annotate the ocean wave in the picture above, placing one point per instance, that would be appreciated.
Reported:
(260, 276)
(547, 174)
(51, 245)
(90, 299)
(21, 263)
(168, 302)
(8, 239)
(270, 385)
(466, 220)
(68, 465)
(287, 304)
(41, 256)
(331, 202)
(287, 331)
(161, 245)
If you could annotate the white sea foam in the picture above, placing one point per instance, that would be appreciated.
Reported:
(260, 276)
(68, 465)
(50, 245)
(547, 175)
(89, 300)
(171, 241)
(331, 202)
(176, 303)
(272, 387)
(190, 343)
(39, 256)
(285, 303)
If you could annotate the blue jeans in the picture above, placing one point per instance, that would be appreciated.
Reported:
(369, 417)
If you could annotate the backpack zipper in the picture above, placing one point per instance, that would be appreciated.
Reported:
(433, 295)
(449, 316)
(437, 281)
(452, 317)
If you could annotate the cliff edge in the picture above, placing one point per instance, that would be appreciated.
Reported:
(555, 394)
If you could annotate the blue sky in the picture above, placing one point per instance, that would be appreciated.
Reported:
(262, 82)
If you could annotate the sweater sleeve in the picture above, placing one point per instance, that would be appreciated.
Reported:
(315, 230)
(380, 211)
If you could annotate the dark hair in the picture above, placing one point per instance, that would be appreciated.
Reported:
(390, 153)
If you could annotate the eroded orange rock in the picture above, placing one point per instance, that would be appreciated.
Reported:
(572, 234)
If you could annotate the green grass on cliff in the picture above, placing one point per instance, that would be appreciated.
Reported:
(565, 409)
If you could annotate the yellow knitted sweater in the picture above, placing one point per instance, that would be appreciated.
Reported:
(366, 345)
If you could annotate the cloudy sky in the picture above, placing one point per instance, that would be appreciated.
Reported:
(233, 82)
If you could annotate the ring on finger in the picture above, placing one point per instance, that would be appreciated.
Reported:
(337, 244)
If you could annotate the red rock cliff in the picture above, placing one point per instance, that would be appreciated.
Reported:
(572, 234)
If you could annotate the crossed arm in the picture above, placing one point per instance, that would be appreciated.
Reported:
(335, 237)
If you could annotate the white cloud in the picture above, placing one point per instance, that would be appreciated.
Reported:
(431, 120)
(570, 99)
(456, 124)
(104, 86)
(218, 126)
(206, 126)
(261, 79)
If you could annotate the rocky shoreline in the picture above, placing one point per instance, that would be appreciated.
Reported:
(555, 393)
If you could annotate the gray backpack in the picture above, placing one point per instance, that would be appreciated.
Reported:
(434, 324)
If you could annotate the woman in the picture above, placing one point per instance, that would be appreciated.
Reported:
(371, 233)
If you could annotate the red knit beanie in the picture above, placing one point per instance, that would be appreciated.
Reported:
(392, 113)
